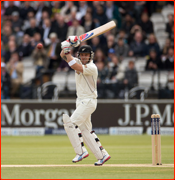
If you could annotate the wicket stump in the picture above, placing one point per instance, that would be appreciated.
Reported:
(156, 139)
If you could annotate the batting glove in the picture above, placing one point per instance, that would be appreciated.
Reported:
(66, 47)
(74, 40)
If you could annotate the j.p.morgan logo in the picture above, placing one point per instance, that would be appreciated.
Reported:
(49, 115)
(18, 117)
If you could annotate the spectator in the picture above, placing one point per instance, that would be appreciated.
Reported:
(15, 3)
(102, 75)
(88, 23)
(170, 24)
(5, 82)
(169, 62)
(12, 38)
(17, 39)
(40, 8)
(165, 49)
(146, 24)
(116, 76)
(72, 18)
(94, 6)
(116, 70)
(54, 51)
(128, 23)
(33, 28)
(16, 22)
(26, 9)
(56, 8)
(81, 10)
(39, 19)
(100, 56)
(131, 77)
(26, 22)
(45, 15)
(56, 18)
(153, 62)
(76, 29)
(30, 15)
(10, 9)
(150, 7)
(171, 36)
(121, 49)
(2, 9)
(62, 28)
(25, 49)
(110, 41)
(67, 9)
(36, 39)
(6, 33)
(15, 69)
(11, 49)
(104, 40)
(100, 17)
(112, 12)
(95, 43)
(90, 10)
(111, 53)
(138, 47)
(46, 31)
(7, 23)
(131, 35)
(2, 50)
(126, 7)
(138, 8)
(121, 34)
(40, 60)
(153, 44)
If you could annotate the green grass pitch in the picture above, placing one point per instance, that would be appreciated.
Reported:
(57, 150)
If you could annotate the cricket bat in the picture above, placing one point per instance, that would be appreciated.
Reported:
(98, 31)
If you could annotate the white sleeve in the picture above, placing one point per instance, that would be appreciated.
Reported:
(77, 60)
(89, 69)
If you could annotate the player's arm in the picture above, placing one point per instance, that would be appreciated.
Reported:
(65, 54)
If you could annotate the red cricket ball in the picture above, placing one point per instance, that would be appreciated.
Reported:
(39, 46)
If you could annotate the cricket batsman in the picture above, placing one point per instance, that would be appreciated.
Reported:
(79, 127)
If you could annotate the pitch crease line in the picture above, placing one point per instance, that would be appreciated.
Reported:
(91, 165)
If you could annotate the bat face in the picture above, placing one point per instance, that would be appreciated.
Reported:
(98, 31)
(86, 36)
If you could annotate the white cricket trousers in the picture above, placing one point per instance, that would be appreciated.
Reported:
(82, 114)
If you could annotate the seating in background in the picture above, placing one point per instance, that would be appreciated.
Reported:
(157, 18)
(167, 10)
(60, 78)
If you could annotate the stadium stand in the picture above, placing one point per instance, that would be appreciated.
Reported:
(39, 19)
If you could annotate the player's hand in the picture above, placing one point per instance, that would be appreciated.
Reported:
(66, 47)
(74, 40)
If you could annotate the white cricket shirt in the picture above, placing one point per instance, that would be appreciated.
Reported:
(86, 82)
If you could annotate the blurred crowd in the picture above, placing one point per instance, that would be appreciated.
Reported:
(26, 23)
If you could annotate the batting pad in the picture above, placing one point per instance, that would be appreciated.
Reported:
(72, 134)
(98, 142)
(91, 143)
(96, 138)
